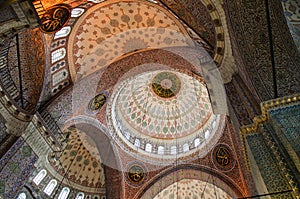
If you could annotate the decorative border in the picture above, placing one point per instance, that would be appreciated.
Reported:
(266, 107)
(251, 129)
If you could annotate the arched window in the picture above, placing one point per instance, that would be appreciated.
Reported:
(64, 193)
(173, 150)
(137, 143)
(62, 32)
(21, 196)
(185, 147)
(127, 135)
(40, 176)
(76, 12)
(160, 150)
(58, 55)
(96, 1)
(206, 135)
(148, 147)
(197, 142)
(80, 195)
(214, 124)
(50, 187)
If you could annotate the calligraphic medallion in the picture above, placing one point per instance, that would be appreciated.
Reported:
(223, 157)
(97, 102)
(55, 18)
(136, 173)
(166, 84)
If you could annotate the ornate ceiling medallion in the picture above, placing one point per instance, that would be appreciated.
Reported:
(55, 18)
(223, 157)
(97, 102)
(136, 173)
(166, 84)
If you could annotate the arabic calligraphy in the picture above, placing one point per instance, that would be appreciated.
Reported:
(222, 157)
(55, 18)
(136, 173)
(166, 84)
(97, 102)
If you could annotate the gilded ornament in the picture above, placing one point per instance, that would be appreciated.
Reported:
(97, 102)
(55, 18)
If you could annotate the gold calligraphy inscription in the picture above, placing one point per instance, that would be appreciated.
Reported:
(97, 102)
(55, 18)
(223, 156)
(136, 173)
(166, 84)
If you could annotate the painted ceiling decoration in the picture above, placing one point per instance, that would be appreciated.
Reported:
(101, 37)
(165, 113)
(79, 162)
(97, 102)
(55, 18)
(222, 157)
(136, 174)
(32, 71)
(192, 189)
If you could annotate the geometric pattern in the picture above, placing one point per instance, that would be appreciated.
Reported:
(80, 161)
(271, 173)
(288, 121)
(16, 166)
(110, 30)
(139, 108)
(192, 189)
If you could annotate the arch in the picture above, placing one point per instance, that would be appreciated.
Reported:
(50, 187)
(160, 150)
(137, 143)
(64, 193)
(188, 171)
(197, 142)
(185, 147)
(65, 31)
(80, 195)
(109, 155)
(21, 196)
(173, 150)
(207, 134)
(148, 147)
(39, 177)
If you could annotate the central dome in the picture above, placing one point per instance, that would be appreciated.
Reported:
(161, 110)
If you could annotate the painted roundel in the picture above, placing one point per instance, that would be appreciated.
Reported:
(55, 18)
(223, 157)
(166, 84)
(97, 102)
(136, 173)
